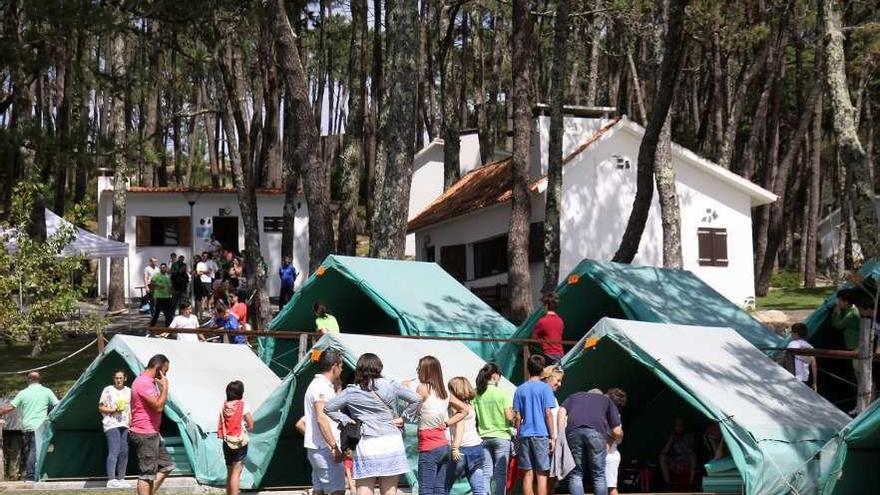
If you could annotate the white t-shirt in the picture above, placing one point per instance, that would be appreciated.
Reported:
(190, 321)
(113, 397)
(801, 363)
(321, 389)
(149, 272)
(202, 270)
(212, 268)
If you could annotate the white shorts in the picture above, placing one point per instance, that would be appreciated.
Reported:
(612, 466)
(328, 476)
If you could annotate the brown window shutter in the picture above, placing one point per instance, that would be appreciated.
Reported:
(142, 231)
(184, 231)
(453, 260)
(719, 246)
(705, 247)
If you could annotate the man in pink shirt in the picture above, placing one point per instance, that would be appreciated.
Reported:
(149, 392)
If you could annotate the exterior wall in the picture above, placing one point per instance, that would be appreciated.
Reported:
(427, 179)
(596, 203)
(208, 205)
(576, 130)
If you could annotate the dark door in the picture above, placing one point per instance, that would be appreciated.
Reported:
(226, 231)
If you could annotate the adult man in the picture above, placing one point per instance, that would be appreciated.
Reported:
(213, 269)
(149, 271)
(180, 283)
(288, 279)
(172, 261)
(34, 403)
(321, 438)
(214, 246)
(591, 420)
(161, 285)
(533, 402)
(846, 318)
(177, 264)
(805, 367)
(203, 287)
(186, 320)
(225, 320)
(549, 330)
(149, 392)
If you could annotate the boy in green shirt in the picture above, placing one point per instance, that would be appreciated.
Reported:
(33, 403)
(161, 286)
(846, 318)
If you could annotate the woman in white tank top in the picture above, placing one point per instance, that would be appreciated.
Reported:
(433, 421)
(468, 459)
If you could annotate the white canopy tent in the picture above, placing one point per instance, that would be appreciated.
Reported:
(85, 243)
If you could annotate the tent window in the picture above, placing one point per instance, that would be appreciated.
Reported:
(273, 224)
(712, 247)
(163, 231)
(453, 260)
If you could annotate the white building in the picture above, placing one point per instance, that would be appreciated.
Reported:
(427, 178)
(157, 223)
(465, 229)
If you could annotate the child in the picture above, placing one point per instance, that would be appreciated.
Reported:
(348, 462)
(467, 446)
(236, 420)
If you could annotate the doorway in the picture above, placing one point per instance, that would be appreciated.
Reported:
(226, 231)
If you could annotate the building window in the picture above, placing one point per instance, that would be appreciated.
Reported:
(490, 257)
(163, 231)
(454, 260)
(430, 254)
(712, 245)
(273, 224)
(536, 242)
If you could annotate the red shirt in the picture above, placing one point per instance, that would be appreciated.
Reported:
(550, 328)
(240, 312)
(144, 420)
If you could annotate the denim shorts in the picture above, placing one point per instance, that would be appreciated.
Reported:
(534, 453)
(328, 476)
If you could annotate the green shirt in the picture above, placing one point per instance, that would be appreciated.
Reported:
(161, 286)
(491, 408)
(33, 404)
(327, 323)
(848, 322)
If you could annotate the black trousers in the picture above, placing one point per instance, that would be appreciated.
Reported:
(284, 296)
(165, 306)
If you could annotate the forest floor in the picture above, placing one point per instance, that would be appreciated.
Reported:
(794, 298)
(16, 357)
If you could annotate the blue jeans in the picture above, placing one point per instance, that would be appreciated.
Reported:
(433, 466)
(117, 452)
(589, 450)
(471, 467)
(496, 454)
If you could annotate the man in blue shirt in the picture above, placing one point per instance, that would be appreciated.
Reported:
(533, 402)
(225, 320)
(288, 278)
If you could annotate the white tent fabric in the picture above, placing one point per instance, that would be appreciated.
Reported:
(199, 372)
(85, 243)
(400, 357)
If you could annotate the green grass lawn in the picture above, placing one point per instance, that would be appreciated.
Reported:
(59, 378)
(787, 298)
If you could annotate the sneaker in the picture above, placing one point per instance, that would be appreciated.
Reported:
(117, 484)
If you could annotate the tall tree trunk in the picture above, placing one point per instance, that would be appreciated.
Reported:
(211, 121)
(812, 234)
(398, 127)
(116, 286)
(775, 233)
(672, 57)
(518, 275)
(843, 119)
(449, 97)
(312, 167)
(353, 153)
(270, 147)
(593, 74)
(557, 127)
(375, 176)
(290, 177)
(664, 176)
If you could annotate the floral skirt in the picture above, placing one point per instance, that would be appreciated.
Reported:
(379, 456)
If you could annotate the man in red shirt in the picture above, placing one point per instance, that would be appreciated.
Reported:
(149, 392)
(549, 330)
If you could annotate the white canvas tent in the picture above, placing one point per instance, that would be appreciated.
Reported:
(85, 243)
(72, 442)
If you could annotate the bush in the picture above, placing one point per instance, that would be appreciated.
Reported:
(786, 280)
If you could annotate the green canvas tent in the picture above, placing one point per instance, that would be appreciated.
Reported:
(279, 458)
(772, 424)
(387, 297)
(850, 460)
(597, 289)
(818, 329)
(72, 442)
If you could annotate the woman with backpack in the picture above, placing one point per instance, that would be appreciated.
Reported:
(372, 400)
(236, 420)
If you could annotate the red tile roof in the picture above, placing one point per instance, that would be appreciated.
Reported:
(486, 186)
(200, 190)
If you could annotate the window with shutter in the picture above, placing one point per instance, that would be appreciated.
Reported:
(184, 228)
(142, 231)
(453, 260)
(712, 247)
(162, 231)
